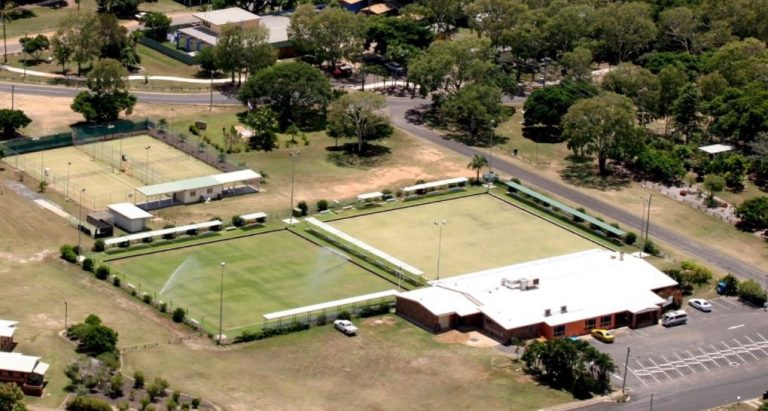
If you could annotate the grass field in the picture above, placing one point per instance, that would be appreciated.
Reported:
(480, 233)
(102, 179)
(264, 273)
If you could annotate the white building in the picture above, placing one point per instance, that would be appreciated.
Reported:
(129, 217)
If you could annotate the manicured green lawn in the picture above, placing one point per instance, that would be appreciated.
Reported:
(263, 274)
(480, 232)
(158, 64)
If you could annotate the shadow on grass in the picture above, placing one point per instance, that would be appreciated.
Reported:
(346, 155)
(584, 173)
(543, 134)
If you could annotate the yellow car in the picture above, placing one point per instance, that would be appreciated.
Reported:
(603, 335)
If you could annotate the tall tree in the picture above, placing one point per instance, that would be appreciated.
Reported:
(230, 50)
(686, 111)
(447, 65)
(11, 398)
(358, 115)
(116, 41)
(107, 94)
(384, 32)
(547, 106)
(258, 53)
(12, 120)
(578, 63)
(77, 40)
(492, 17)
(292, 90)
(625, 28)
(475, 110)
(569, 27)
(600, 126)
(158, 25)
(671, 79)
(637, 83)
(329, 35)
(34, 46)
(443, 14)
(679, 26)
(263, 123)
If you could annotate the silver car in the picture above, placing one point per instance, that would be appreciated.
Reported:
(700, 304)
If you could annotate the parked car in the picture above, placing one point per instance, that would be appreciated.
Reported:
(395, 69)
(700, 304)
(674, 318)
(603, 335)
(345, 326)
(343, 70)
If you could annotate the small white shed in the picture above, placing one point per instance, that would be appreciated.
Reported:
(129, 217)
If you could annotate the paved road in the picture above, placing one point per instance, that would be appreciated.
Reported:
(399, 106)
(710, 361)
(143, 97)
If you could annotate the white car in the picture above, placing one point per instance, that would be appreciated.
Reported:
(700, 304)
(345, 326)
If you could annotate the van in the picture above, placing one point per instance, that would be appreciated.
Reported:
(674, 318)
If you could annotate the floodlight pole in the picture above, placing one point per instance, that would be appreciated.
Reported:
(66, 190)
(626, 365)
(221, 302)
(210, 106)
(146, 165)
(79, 222)
(294, 154)
(440, 225)
(648, 218)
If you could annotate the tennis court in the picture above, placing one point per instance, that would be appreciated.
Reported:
(109, 171)
(480, 232)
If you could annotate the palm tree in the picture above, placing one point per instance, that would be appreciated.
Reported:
(477, 163)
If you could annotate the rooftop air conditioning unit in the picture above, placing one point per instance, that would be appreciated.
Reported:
(547, 312)
(563, 309)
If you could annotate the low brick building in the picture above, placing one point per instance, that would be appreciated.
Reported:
(555, 297)
(26, 371)
(7, 330)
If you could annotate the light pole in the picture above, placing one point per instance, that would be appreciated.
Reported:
(146, 165)
(66, 190)
(626, 365)
(79, 222)
(294, 154)
(648, 218)
(221, 301)
(440, 225)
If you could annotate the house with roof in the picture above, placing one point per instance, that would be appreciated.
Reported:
(26, 371)
(555, 297)
(210, 24)
(7, 330)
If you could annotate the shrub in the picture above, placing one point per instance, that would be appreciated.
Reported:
(344, 315)
(170, 404)
(195, 403)
(115, 389)
(194, 130)
(157, 388)
(630, 238)
(68, 253)
(303, 207)
(373, 311)
(146, 298)
(731, 284)
(83, 403)
(138, 380)
(144, 403)
(102, 272)
(99, 245)
(650, 248)
(322, 319)
(88, 264)
(163, 307)
(322, 205)
(269, 332)
(695, 273)
(238, 221)
(175, 396)
(116, 281)
(178, 315)
(751, 292)
(123, 406)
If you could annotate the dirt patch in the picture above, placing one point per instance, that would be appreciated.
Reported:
(471, 338)
(34, 258)
(385, 321)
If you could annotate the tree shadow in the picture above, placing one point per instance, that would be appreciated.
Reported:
(543, 134)
(586, 174)
(347, 156)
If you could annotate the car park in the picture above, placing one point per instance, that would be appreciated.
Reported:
(603, 335)
(345, 326)
(700, 304)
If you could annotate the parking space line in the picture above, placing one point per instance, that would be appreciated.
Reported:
(734, 352)
(746, 349)
(637, 376)
(649, 373)
(758, 346)
(657, 366)
(685, 362)
(720, 355)
(721, 305)
(710, 357)
(673, 365)
(731, 303)
(763, 341)
(699, 361)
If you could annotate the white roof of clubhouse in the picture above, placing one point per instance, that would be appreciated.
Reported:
(199, 182)
(7, 324)
(226, 16)
(129, 211)
(11, 361)
(589, 284)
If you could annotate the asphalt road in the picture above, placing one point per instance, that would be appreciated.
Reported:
(143, 97)
(713, 360)
(399, 106)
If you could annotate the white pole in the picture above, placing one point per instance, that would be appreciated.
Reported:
(440, 225)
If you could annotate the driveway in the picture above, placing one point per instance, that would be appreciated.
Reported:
(710, 361)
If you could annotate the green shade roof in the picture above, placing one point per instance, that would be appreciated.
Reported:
(570, 210)
(199, 182)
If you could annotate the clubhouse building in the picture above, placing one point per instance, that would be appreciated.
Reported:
(555, 297)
